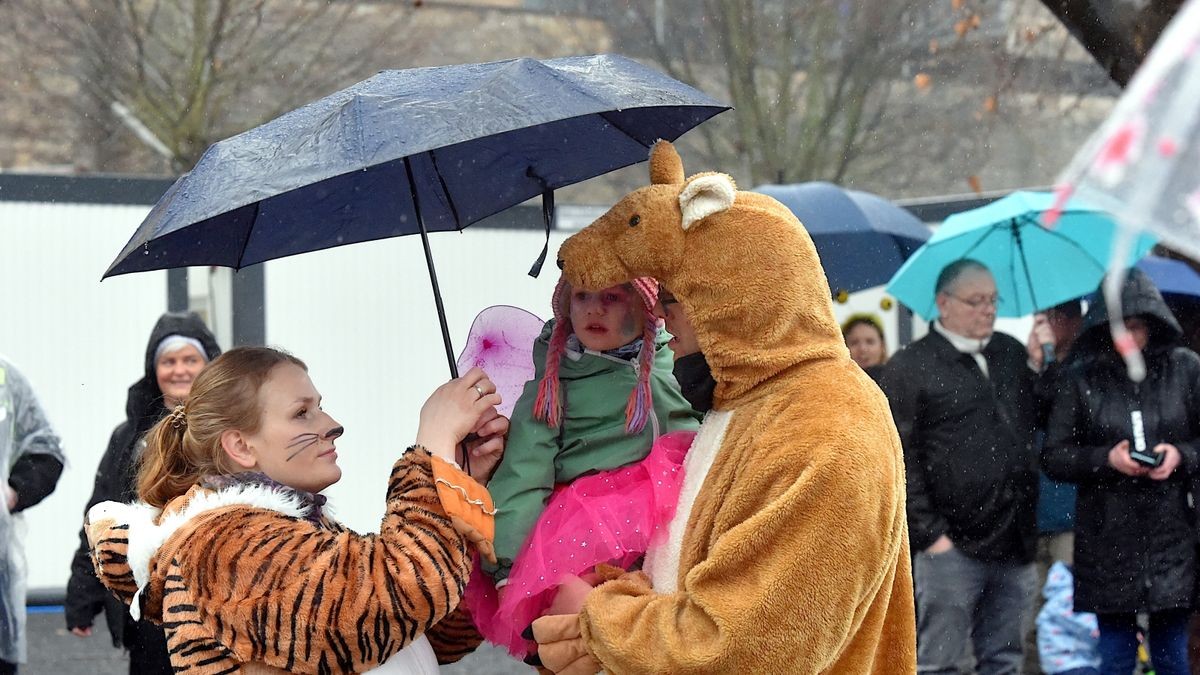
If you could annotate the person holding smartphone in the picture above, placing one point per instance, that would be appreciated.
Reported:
(1131, 447)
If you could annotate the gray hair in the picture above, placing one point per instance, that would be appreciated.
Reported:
(954, 271)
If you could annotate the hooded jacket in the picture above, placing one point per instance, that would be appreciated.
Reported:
(788, 551)
(116, 480)
(1135, 537)
(592, 436)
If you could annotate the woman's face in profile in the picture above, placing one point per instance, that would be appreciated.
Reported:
(295, 442)
(865, 344)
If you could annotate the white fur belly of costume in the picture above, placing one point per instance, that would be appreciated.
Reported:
(415, 659)
(662, 559)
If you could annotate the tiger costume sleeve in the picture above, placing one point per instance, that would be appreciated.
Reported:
(454, 637)
(251, 585)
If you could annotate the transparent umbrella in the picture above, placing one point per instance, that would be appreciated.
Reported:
(1143, 164)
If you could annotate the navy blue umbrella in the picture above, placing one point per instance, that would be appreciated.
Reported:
(412, 151)
(862, 238)
(1172, 277)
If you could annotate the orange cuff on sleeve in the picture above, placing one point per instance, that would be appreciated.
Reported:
(468, 504)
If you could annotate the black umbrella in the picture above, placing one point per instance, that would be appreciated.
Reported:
(413, 151)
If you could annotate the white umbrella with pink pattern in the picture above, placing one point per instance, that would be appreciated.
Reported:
(1143, 164)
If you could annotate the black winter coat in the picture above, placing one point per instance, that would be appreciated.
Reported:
(116, 481)
(1135, 538)
(967, 437)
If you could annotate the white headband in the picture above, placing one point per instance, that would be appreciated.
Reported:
(173, 342)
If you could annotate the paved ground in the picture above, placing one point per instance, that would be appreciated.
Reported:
(54, 651)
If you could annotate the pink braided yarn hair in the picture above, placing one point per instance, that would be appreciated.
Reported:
(549, 404)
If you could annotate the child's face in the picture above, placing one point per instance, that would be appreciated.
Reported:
(607, 319)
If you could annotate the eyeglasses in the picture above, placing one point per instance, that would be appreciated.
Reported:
(978, 301)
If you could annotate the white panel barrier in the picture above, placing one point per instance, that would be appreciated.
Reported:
(80, 343)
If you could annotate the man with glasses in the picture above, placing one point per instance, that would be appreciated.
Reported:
(963, 401)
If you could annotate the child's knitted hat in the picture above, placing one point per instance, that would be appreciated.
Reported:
(549, 404)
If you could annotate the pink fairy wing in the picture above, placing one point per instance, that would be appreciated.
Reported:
(501, 343)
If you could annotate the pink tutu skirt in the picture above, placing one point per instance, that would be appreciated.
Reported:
(608, 517)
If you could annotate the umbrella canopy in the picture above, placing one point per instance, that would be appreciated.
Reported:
(475, 139)
(1172, 277)
(862, 238)
(1035, 267)
(411, 151)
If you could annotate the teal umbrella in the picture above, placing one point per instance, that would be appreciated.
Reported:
(1035, 267)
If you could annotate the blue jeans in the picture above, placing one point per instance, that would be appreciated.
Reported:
(1168, 642)
(960, 598)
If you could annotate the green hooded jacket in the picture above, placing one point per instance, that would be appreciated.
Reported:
(591, 438)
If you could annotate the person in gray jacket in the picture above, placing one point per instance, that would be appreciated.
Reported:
(31, 461)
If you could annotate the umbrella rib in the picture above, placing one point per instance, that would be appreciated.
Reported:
(604, 116)
(991, 229)
(1072, 242)
(977, 242)
(249, 231)
(445, 190)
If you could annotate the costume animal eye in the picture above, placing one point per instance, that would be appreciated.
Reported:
(633, 222)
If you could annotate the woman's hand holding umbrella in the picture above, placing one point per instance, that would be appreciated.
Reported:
(487, 446)
(453, 411)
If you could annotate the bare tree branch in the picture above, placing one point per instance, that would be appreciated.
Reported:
(181, 67)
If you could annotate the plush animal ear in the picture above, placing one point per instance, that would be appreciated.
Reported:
(706, 195)
(666, 168)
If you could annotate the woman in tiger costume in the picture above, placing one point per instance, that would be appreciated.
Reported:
(231, 552)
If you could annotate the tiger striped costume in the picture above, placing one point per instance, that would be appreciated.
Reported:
(244, 583)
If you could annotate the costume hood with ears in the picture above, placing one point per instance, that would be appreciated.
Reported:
(733, 259)
(788, 551)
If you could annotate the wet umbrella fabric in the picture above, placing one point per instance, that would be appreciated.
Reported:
(862, 238)
(1035, 267)
(410, 151)
(1172, 277)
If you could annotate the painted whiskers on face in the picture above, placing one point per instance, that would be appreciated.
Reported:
(306, 441)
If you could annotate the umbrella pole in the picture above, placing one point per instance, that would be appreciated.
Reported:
(437, 292)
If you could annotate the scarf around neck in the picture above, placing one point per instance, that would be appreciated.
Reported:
(312, 503)
(965, 344)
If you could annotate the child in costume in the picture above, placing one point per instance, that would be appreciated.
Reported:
(231, 553)
(592, 469)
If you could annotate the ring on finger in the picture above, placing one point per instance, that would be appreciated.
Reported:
(479, 390)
